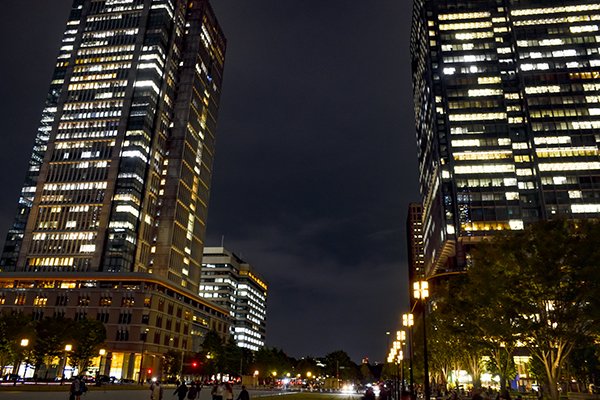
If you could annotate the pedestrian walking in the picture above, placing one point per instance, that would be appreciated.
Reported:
(181, 390)
(228, 392)
(77, 388)
(156, 391)
(213, 392)
(194, 391)
(243, 394)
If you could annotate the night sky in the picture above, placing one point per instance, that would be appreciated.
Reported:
(316, 156)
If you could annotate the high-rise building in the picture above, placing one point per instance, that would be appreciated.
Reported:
(507, 106)
(231, 283)
(414, 237)
(116, 195)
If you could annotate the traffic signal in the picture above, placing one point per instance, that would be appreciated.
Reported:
(194, 364)
(149, 371)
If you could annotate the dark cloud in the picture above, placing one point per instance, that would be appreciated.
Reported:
(315, 161)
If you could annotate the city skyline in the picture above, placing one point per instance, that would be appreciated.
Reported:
(326, 198)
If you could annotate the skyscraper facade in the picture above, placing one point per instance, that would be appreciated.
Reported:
(118, 184)
(231, 283)
(414, 230)
(507, 107)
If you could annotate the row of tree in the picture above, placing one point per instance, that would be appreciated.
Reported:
(46, 341)
(535, 291)
(225, 357)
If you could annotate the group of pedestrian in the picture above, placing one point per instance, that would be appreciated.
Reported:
(77, 388)
(224, 391)
(183, 391)
(220, 391)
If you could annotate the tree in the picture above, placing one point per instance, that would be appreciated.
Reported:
(366, 375)
(87, 336)
(272, 360)
(50, 337)
(13, 328)
(306, 365)
(171, 363)
(539, 286)
(339, 364)
(212, 350)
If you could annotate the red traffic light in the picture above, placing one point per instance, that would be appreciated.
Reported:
(194, 364)
(149, 371)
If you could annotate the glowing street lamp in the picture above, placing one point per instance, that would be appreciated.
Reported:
(401, 336)
(408, 321)
(421, 292)
(309, 374)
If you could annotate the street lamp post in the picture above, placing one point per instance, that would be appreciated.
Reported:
(421, 292)
(408, 321)
(101, 353)
(144, 336)
(401, 336)
(394, 357)
(400, 362)
(24, 343)
(68, 348)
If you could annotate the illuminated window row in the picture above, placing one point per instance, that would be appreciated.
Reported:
(564, 112)
(111, 17)
(470, 58)
(474, 35)
(91, 115)
(478, 116)
(86, 124)
(94, 77)
(559, 20)
(457, 105)
(551, 54)
(107, 50)
(543, 89)
(87, 135)
(65, 236)
(75, 186)
(465, 26)
(97, 85)
(483, 155)
(559, 180)
(101, 67)
(492, 226)
(51, 261)
(96, 60)
(569, 166)
(584, 75)
(556, 10)
(564, 126)
(585, 208)
(105, 34)
(93, 105)
(484, 169)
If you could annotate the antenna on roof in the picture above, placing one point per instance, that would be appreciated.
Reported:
(222, 240)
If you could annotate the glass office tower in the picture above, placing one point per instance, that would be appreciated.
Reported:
(507, 105)
(120, 175)
(117, 190)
